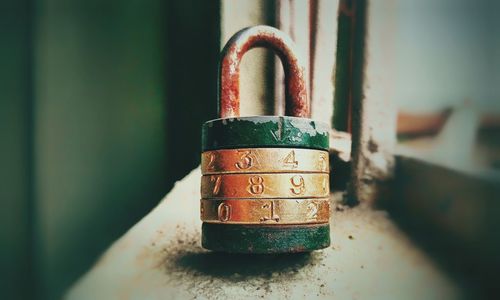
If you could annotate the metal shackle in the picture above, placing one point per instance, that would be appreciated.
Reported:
(296, 100)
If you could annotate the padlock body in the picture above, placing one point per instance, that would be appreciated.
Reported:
(264, 131)
(264, 179)
(265, 239)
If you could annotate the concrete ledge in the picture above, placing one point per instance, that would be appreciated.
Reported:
(161, 258)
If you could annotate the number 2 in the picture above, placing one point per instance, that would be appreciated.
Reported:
(312, 211)
(211, 162)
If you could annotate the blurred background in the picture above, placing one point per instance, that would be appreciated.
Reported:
(101, 105)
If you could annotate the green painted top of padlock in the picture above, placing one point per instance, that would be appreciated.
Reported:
(294, 130)
(264, 131)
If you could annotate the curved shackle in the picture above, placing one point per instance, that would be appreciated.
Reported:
(296, 100)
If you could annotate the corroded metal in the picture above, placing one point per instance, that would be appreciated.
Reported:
(265, 211)
(264, 160)
(267, 239)
(264, 131)
(265, 182)
(277, 185)
(297, 102)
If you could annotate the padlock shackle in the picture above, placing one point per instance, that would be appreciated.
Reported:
(296, 100)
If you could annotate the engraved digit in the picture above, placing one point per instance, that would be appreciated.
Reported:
(312, 211)
(211, 162)
(246, 160)
(299, 186)
(217, 180)
(272, 215)
(224, 212)
(256, 184)
(290, 160)
(322, 163)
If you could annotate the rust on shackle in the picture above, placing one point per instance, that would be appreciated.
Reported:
(296, 100)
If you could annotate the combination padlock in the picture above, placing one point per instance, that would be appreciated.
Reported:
(265, 179)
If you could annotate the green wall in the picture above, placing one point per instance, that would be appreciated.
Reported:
(101, 109)
(99, 137)
(15, 150)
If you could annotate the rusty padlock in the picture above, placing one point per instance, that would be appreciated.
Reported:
(265, 179)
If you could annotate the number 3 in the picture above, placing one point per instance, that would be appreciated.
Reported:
(245, 161)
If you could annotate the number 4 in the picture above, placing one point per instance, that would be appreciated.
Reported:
(290, 160)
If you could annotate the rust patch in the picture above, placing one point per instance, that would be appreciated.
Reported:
(372, 146)
(297, 102)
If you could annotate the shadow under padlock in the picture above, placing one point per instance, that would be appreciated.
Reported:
(240, 267)
(265, 179)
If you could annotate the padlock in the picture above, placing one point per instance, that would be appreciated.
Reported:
(265, 179)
